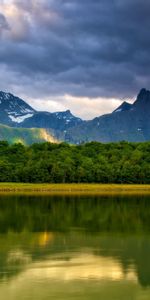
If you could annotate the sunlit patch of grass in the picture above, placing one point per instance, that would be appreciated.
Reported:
(18, 141)
(97, 189)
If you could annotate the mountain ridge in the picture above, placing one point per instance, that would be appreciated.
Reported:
(129, 122)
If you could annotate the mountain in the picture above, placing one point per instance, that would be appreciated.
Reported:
(15, 112)
(13, 109)
(123, 107)
(130, 122)
(56, 123)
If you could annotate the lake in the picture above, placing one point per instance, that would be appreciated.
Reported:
(85, 248)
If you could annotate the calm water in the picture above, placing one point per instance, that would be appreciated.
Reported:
(74, 248)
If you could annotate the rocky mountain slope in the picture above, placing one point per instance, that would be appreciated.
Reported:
(128, 122)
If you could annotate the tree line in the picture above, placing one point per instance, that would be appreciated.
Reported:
(94, 162)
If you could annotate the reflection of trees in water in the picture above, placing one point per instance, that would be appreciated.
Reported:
(110, 214)
(130, 251)
(116, 218)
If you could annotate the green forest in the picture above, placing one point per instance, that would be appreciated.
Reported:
(94, 162)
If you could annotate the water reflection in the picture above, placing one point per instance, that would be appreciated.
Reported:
(74, 248)
(82, 267)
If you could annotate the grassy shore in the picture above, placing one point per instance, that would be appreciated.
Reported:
(51, 189)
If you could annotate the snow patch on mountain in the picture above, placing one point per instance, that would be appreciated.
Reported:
(118, 110)
(20, 119)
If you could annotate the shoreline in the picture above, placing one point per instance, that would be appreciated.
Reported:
(75, 188)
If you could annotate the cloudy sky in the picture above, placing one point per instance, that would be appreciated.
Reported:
(83, 55)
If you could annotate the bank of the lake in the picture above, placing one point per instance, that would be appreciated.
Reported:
(28, 188)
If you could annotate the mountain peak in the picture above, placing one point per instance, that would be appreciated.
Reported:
(123, 107)
(143, 94)
(13, 109)
(4, 96)
(143, 98)
(68, 112)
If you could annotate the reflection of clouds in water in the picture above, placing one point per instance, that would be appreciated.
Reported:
(18, 257)
(81, 267)
(84, 276)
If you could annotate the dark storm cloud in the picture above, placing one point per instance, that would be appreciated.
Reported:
(84, 48)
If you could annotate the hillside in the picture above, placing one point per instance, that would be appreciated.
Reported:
(24, 135)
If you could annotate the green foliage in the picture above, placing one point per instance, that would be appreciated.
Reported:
(93, 162)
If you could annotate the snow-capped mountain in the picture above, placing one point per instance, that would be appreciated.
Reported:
(13, 109)
(15, 112)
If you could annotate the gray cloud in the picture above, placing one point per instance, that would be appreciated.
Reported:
(82, 48)
(3, 23)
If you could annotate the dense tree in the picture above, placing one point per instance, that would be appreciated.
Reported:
(121, 162)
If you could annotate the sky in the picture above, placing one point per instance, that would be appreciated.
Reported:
(84, 55)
